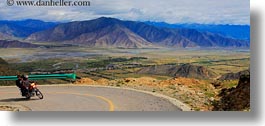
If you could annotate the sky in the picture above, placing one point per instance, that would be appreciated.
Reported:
(170, 11)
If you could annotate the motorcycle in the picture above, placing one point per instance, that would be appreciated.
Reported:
(32, 91)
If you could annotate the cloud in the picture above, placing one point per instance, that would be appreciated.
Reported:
(171, 11)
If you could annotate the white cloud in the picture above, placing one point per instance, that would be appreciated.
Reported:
(171, 11)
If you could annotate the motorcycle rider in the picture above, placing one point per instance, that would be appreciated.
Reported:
(25, 82)
(19, 83)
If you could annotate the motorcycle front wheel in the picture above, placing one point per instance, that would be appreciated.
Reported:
(39, 94)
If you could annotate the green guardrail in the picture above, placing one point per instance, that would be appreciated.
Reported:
(42, 77)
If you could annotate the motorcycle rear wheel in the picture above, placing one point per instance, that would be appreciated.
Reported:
(28, 96)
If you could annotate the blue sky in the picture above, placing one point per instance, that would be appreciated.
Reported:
(170, 11)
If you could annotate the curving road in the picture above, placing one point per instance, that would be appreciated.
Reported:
(86, 98)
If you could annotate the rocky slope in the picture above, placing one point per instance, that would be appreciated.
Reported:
(235, 99)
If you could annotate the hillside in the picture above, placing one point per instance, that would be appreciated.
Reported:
(5, 70)
(3, 62)
(16, 44)
(110, 32)
(5, 36)
(185, 70)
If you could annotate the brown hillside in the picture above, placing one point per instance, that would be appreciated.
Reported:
(16, 44)
(158, 70)
(185, 70)
(192, 71)
(233, 76)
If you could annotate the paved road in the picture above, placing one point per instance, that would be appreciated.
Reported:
(84, 98)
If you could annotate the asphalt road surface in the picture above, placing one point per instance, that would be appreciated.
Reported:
(85, 98)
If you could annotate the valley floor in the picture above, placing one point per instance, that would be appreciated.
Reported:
(144, 69)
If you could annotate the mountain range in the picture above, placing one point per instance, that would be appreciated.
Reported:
(241, 32)
(111, 32)
(22, 29)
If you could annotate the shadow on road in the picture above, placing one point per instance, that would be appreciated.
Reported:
(15, 99)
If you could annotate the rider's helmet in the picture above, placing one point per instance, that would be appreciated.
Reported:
(25, 77)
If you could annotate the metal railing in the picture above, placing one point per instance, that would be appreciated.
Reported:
(42, 77)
